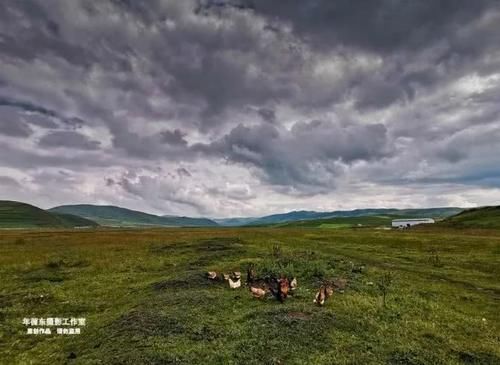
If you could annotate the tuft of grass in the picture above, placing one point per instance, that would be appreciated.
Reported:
(20, 241)
(384, 285)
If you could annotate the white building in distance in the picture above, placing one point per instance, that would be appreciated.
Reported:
(406, 223)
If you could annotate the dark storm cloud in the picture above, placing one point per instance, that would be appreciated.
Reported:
(223, 59)
(68, 139)
(396, 30)
(26, 106)
(12, 123)
(110, 182)
(26, 158)
(175, 137)
(269, 115)
(380, 93)
(301, 95)
(147, 187)
(39, 115)
(151, 146)
(182, 172)
(308, 156)
(29, 29)
(376, 25)
(40, 120)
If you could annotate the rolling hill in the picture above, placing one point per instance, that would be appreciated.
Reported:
(234, 222)
(109, 215)
(484, 217)
(21, 215)
(394, 213)
(343, 222)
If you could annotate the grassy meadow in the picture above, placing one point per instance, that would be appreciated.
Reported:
(147, 301)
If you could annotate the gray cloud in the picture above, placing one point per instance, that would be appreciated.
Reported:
(8, 181)
(181, 171)
(152, 187)
(268, 115)
(308, 156)
(379, 25)
(68, 139)
(244, 106)
(12, 123)
(175, 137)
(38, 115)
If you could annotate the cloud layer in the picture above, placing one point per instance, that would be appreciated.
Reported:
(248, 107)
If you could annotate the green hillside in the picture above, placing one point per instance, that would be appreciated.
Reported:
(484, 217)
(108, 215)
(189, 221)
(70, 220)
(21, 215)
(382, 220)
(302, 215)
(344, 222)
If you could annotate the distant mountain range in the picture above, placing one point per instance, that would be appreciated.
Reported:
(21, 215)
(109, 215)
(235, 222)
(302, 215)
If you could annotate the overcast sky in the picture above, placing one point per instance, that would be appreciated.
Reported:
(249, 107)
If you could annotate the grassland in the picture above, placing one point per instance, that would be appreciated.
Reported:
(147, 302)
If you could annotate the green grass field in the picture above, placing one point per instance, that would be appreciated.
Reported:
(146, 300)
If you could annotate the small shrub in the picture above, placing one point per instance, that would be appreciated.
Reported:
(435, 259)
(277, 252)
(274, 268)
(384, 285)
(317, 270)
(55, 263)
(60, 262)
(20, 241)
